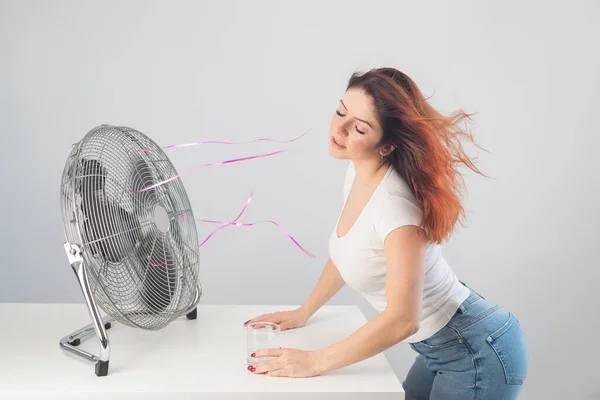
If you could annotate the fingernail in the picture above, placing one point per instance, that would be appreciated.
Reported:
(246, 322)
(251, 368)
(264, 373)
(253, 355)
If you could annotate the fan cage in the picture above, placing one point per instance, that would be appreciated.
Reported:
(143, 272)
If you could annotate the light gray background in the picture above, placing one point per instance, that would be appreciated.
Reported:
(183, 71)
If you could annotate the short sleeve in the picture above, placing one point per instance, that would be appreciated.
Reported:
(397, 211)
(349, 178)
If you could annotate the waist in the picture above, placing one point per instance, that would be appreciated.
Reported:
(472, 309)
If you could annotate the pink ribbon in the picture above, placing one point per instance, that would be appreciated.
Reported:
(205, 165)
(217, 142)
(154, 265)
(234, 222)
(254, 223)
(225, 224)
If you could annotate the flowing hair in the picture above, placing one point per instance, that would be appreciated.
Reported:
(427, 146)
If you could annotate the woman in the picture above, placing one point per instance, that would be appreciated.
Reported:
(401, 202)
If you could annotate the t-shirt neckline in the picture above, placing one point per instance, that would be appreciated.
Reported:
(335, 232)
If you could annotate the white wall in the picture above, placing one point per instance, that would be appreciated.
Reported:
(182, 71)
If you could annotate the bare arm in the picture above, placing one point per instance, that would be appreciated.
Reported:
(329, 284)
(405, 257)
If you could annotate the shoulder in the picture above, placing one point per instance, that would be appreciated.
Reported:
(397, 207)
(396, 186)
(397, 196)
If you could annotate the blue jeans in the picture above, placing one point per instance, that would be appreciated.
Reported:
(480, 354)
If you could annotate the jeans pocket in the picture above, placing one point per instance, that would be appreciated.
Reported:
(446, 337)
(510, 346)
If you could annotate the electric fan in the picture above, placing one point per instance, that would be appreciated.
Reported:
(134, 252)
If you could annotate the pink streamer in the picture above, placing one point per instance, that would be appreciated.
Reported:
(225, 224)
(154, 265)
(234, 222)
(254, 223)
(218, 142)
(205, 165)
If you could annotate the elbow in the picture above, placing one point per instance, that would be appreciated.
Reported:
(413, 327)
(408, 325)
(407, 328)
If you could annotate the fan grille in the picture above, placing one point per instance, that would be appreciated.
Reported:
(140, 248)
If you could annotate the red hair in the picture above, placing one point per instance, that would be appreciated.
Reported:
(427, 146)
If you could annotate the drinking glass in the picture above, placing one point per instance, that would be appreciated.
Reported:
(261, 335)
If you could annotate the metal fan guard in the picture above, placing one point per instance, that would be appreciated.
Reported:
(140, 248)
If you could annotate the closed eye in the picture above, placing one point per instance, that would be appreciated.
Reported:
(355, 127)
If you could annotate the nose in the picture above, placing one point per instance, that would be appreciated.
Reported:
(341, 130)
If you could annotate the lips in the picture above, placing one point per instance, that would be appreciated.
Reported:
(336, 142)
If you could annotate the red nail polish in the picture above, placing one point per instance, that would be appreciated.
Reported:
(253, 355)
(251, 368)
(265, 372)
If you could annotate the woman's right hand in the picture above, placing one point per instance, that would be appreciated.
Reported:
(285, 319)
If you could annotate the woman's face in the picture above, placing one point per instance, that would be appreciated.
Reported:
(354, 125)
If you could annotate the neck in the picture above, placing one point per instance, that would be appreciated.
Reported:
(368, 171)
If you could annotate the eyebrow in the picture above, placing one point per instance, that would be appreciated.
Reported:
(362, 120)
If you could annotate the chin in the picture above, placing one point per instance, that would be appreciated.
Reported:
(336, 154)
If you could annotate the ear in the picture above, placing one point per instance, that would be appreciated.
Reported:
(387, 149)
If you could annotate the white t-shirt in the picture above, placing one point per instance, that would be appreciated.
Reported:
(360, 258)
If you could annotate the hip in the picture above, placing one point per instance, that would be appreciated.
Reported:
(479, 333)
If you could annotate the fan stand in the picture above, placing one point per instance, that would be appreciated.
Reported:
(99, 324)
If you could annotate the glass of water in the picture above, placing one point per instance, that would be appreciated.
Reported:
(261, 335)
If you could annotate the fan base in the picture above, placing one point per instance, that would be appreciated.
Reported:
(192, 314)
(102, 368)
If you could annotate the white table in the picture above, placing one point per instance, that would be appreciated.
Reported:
(202, 358)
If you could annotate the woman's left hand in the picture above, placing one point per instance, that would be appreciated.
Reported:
(293, 363)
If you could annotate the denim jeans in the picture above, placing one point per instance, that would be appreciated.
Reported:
(481, 353)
